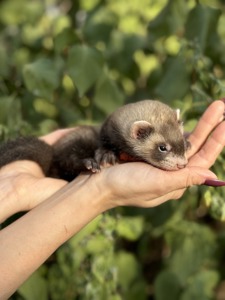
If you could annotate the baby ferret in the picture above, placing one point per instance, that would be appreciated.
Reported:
(147, 131)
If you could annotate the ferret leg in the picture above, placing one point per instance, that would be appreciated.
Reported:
(105, 157)
(74, 153)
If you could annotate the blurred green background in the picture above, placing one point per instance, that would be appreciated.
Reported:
(64, 63)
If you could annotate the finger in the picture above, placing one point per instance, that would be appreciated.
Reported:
(188, 177)
(54, 136)
(174, 185)
(210, 119)
(212, 148)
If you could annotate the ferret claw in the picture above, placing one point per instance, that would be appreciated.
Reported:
(92, 165)
(108, 158)
(105, 158)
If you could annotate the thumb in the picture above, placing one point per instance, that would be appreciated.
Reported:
(201, 176)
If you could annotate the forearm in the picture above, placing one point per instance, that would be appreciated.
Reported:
(28, 242)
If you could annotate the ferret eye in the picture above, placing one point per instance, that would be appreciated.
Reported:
(162, 148)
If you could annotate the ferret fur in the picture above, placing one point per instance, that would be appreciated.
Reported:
(147, 130)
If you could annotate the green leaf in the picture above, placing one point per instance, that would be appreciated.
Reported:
(128, 268)
(4, 63)
(13, 11)
(84, 66)
(216, 203)
(98, 244)
(34, 288)
(101, 266)
(201, 286)
(108, 96)
(195, 31)
(64, 39)
(130, 227)
(99, 25)
(10, 111)
(167, 286)
(85, 232)
(41, 77)
(174, 82)
(185, 238)
(170, 20)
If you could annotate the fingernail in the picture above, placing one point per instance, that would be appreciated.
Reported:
(214, 182)
(222, 118)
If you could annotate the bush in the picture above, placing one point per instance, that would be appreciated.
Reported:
(64, 63)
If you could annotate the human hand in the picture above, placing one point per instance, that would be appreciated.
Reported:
(23, 184)
(139, 184)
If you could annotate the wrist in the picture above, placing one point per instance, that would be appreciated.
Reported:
(99, 192)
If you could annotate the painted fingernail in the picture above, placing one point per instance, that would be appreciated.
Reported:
(214, 182)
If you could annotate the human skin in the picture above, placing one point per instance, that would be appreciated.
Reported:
(57, 210)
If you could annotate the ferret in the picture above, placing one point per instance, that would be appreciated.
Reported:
(148, 131)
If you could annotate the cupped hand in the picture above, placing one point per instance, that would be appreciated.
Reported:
(23, 184)
(139, 184)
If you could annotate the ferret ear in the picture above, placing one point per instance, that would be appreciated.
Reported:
(180, 122)
(177, 111)
(141, 129)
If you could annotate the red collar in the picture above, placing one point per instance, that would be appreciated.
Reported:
(126, 157)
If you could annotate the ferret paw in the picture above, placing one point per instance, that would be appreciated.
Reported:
(105, 158)
(92, 165)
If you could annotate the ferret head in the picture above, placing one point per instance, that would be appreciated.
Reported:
(161, 144)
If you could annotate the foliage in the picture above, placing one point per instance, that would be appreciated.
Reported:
(69, 62)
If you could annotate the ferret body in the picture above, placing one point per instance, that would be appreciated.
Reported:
(148, 131)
